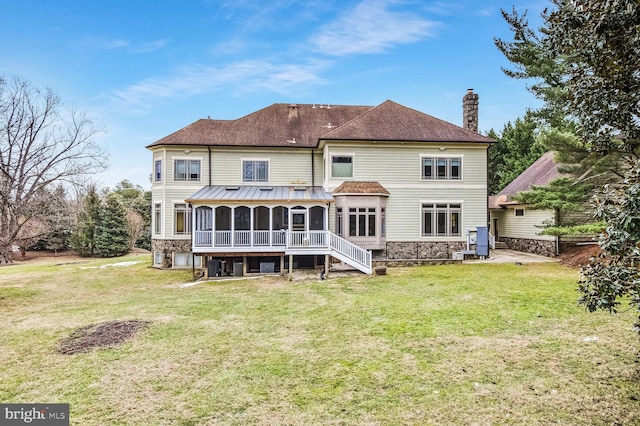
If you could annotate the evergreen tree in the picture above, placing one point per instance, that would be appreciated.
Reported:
(60, 221)
(516, 149)
(585, 59)
(111, 237)
(84, 238)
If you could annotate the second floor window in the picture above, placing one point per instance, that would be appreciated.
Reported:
(441, 168)
(157, 170)
(186, 170)
(255, 171)
(341, 166)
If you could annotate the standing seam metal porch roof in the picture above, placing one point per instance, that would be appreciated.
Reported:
(243, 193)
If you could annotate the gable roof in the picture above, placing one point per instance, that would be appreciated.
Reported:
(540, 173)
(304, 125)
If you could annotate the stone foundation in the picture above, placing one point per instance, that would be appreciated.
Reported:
(168, 247)
(419, 250)
(540, 247)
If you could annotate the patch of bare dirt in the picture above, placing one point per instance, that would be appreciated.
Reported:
(104, 335)
(578, 255)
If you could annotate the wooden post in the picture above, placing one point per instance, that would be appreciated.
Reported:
(290, 264)
(282, 265)
(244, 266)
(327, 260)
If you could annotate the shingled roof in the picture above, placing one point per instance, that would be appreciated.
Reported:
(365, 188)
(540, 173)
(305, 125)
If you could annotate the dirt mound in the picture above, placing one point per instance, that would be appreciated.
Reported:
(103, 335)
(577, 256)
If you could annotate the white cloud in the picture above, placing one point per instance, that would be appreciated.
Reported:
(242, 76)
(151, 46)
(371, 27)
(104, 43)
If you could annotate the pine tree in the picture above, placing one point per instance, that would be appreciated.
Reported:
(585, 61)
(111, 237)
(83, 240)
(517, 148)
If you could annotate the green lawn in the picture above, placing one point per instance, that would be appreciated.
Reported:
(452, 344)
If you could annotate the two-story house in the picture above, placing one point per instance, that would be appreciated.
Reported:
(293, 185)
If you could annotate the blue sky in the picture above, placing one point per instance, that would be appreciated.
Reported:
(144, 69)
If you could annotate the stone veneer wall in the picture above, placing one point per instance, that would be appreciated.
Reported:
(168, 247)
(419, 250)
(541, 247)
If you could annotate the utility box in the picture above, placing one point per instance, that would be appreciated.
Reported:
(458, 255)
(237, 269)
(267, 267)
(482, 244)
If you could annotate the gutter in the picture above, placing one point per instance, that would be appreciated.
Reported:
(313, 174)
(209, 149)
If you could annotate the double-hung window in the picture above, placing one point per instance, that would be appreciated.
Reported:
(181, 219)
(441, 219)
(185, 170)
(441, 168)
(255, 171)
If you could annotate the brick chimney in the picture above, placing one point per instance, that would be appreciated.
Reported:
(293, 112)
(470, 111)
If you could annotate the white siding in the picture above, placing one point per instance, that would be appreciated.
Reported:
(397, 167)
(286, 167)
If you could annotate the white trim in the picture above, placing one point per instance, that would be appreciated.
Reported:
(342, 154)
(156, 222)
(447, 156)
(442, 237)
(186, 158)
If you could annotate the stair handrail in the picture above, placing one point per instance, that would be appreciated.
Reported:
(350, 250)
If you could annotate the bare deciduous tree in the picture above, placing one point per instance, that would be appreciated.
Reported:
(42, 143)
(135, 227)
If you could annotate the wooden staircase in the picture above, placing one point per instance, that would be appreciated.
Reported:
(350, 253)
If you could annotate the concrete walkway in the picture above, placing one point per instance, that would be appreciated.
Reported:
(512, 256)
